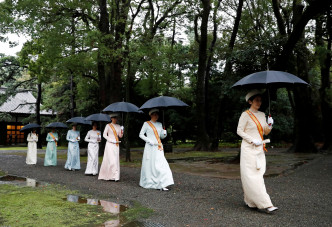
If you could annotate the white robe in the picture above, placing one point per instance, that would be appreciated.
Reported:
(32, 149)
(252, 161)
(93, 150)
(155, 171)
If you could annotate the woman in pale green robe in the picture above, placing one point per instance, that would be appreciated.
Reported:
(51, 149)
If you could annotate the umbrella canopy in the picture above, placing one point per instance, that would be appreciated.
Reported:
(269, 78)
(30, 127)
(98, 117)
(125, 107)
(79, 120)
(56, 125)
(162, 102)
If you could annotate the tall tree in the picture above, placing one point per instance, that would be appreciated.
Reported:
(302, 115)
(227, 73)
(323, 51)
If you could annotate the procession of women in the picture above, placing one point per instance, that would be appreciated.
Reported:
(155, 170)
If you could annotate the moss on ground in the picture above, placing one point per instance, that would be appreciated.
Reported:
(137, 212)
(2, 173)
(44, 206)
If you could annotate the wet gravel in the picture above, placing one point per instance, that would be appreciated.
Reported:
(304, 197)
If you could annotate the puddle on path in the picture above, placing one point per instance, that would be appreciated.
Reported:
(113, 208)
(108, 206)
(21, 181)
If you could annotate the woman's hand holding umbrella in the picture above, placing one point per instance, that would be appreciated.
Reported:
(270, 121)
(164, 132)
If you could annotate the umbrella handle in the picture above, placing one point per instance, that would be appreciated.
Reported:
(268, 92)
(164, 119)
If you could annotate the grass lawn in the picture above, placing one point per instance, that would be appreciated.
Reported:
(43, 206)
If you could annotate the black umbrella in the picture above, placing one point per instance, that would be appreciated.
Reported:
(269, 79)
(79, 120)
(30, 127)
(56, 125)
(163, 102)
(125, 107)
(122, 107)
(98, 117)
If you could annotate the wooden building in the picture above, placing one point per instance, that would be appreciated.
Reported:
(12, 112)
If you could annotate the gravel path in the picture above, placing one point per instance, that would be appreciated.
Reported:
(304, 197)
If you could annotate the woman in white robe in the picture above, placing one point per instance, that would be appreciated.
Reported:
(110, 166)
(93, 137)
(32, 148)
(155, 171)
(252, 160)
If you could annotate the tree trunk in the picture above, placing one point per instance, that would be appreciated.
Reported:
(280, 20)
(38, 101)
(211, 121)
(118, 23)
(128, 95)
(303, 116)
(103, 27)
(325, 65)
(202, 142)
(227, 73)
(72, 96)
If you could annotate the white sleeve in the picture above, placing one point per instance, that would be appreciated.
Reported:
(241, 126)
(29, 139)
(143, 131)
(87, 137)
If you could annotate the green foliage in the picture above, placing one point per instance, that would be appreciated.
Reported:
(67, 42)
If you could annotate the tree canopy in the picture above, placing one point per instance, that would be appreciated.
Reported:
(86, 55)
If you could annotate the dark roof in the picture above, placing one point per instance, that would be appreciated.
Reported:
(23, 102)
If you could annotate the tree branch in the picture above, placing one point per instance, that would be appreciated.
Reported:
(196, 29)
(280, 20)
(316, 7)
(91, 77)
(158, 22)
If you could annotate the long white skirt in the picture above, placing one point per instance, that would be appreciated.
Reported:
(32, 154)
(110, 166)
(252, 167)
(92, 164)
(155, 172)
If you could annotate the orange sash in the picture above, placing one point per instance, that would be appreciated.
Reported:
(259, 126)
(115, 135)
(156, 134)
(56, 143)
